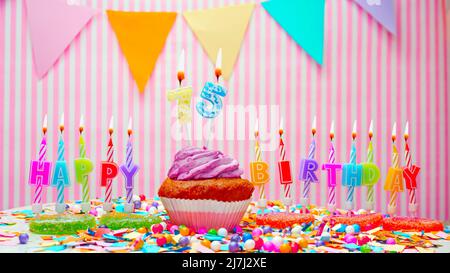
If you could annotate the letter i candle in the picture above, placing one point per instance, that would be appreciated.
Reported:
(129, 169)
(61, 173)
(284, 168)
(40, 171)
(109, 170)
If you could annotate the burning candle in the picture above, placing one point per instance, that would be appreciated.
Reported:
(109, 169)
(351, 186)
(394, 178)
(370, 188)
(129, 169)
(284, 168)
(410, 173)
(308, 167)
(331, 167)
(61, 173)
(40, 171)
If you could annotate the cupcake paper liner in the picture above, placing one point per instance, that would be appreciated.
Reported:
(205, 213)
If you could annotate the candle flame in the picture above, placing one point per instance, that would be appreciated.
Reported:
(61, 123)
(394, 132)
(406, 135)
(111, 125)
(81, 124)
(332, 130)
(256, 128)
(180, 68)
(354, 130)
(130, 130)
(218, 68)
(44, 125)
(371, 129)
(314, 125)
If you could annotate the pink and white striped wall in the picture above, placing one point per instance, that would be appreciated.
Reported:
(367, 74)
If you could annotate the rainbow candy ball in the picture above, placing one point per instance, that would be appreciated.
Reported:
(184, 241)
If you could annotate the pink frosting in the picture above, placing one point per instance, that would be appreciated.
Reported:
(192, 163)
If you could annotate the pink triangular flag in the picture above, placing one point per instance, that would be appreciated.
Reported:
(53, 25)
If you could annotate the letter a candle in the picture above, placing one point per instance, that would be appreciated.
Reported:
(394, 182)
(40, 171)
(83, 167)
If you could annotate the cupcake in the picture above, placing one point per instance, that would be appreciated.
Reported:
(204, 189)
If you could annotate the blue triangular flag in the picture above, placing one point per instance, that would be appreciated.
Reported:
(303, 20)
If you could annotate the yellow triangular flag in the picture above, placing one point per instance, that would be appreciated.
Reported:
(141, 37)
(221, 28)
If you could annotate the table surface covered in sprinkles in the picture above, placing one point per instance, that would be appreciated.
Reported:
(15, 221)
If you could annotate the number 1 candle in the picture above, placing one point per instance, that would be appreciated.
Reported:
(40, 171)
(129, 169)
(61, 173)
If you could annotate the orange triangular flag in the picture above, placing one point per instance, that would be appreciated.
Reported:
(141, 37)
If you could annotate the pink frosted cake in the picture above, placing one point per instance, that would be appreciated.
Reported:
(204, 189)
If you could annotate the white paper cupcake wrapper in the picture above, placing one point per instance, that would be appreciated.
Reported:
(205, 213)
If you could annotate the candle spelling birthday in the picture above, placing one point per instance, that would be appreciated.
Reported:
(394, 179)
(331, 167)
(351, 173)
(40, 171)
(410, 173)
(308, 168)
(259, 174)
(284, 168)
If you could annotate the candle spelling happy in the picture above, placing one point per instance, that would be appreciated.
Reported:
(109, 169)
(129, 169)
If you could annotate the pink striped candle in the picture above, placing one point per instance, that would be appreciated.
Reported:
(110, 158)
(332, 160)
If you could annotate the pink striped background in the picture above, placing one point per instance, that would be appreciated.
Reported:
(367, 74)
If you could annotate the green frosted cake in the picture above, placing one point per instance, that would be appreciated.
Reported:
(118, 220)
(61, 224)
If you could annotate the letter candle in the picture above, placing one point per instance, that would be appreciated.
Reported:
(351, 187)
(40, 171)
(394, 178)
(284, 168)
(109, 170)
(259, 174)
(308, 167)
(370, 188)
(83, 166)
(410, 173)
(183, 97)
(61, 174)
(331, 167)
(129, 169)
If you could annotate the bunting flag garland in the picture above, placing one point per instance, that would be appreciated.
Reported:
(221, 28)
(141, 36)
(53, 24)
(382, 11)
(303, 20)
